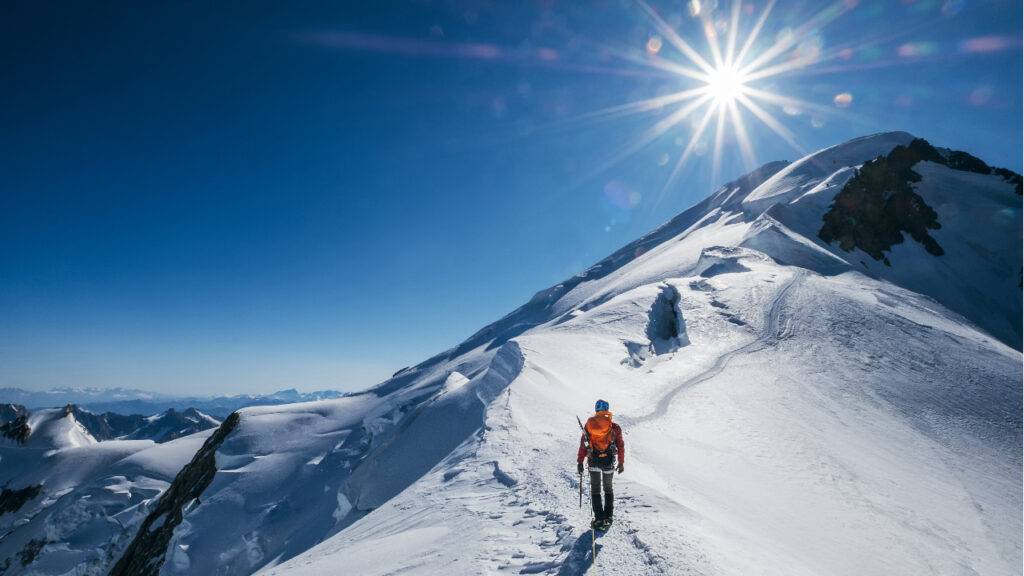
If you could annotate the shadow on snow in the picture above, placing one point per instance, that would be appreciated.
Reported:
(580, 559)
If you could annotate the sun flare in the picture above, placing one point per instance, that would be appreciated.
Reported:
(723, 86)
(726, 84)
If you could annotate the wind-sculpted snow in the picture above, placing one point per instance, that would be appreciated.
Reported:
(73, 509)
(827, 434)
(287, 477)
(797, 178)
(818, 421)
(147, 551)
(788, 408)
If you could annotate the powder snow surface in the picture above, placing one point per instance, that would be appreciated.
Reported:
(788, 408)
(816, 412)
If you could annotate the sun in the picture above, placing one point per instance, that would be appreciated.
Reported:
(726, 84)
(722, 88)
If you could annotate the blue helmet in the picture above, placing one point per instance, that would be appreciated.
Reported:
(600, 406)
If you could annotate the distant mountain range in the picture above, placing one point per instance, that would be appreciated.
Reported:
(130, 401)
(16, 423)
(817, 370)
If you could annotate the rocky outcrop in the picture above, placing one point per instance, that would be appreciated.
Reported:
(147, 551)
(168, 426)
(9, 412)
(13, 500)
(878, 205)
(108, 425)
(173, 424)
(17, 430)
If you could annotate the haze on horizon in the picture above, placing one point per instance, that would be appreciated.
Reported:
(211, 199)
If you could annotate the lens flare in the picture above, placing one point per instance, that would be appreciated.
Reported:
(725, 84)
(725, 94)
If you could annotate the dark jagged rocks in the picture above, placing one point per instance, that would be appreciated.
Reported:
(13, 500)
(31, 550)
(9, 412)
(171, 425)
(145, 555)
(879, 204)
(17, 429)
(108, 425)
(1011, 177)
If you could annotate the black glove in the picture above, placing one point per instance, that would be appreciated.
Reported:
(621, 468)
(579, 467)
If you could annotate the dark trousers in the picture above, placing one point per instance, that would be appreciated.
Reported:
(599, 479)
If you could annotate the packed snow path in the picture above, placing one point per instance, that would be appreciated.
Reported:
(625, 549)
(789, 408)
(769, 334)
(827, 418)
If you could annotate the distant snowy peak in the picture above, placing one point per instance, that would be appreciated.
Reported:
(9, 412)
(173, 424)
(800, 176)
(127, 401)
(159, 428)
(56, 429)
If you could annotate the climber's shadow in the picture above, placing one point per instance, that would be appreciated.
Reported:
(580, 558)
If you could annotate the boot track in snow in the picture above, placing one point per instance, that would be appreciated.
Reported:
(768, 337)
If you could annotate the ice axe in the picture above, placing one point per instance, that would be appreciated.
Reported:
(586, 443)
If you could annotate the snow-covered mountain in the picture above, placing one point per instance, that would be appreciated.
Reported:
(817, 370)
(70, 504)
(10, 412)
(173, 424)
(128, 401)
(108, 426)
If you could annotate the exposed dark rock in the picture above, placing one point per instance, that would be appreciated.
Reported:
(9, 412)
(173, 424)
(963, 161)
(17, 429)
(108, 425)
(28, 554)
(13, 500)
(147, 551)
(1011, 177)
(878, 205)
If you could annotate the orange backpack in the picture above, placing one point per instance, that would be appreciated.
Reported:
(599, 430)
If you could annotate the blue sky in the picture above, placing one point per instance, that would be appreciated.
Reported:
(243, 197)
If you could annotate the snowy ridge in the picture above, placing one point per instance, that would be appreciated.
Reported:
(766, 441)
(788, 408)
(57, 429)
(81, 503)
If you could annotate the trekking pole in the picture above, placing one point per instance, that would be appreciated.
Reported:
(593, 532)
(586, 442)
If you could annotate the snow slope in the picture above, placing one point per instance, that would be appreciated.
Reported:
(56, 429)
(75, 502)
(787, 409)
(810, 415)
(877, 436)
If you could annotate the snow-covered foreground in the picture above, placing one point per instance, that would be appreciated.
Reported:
(785, 445)
(788, 408)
